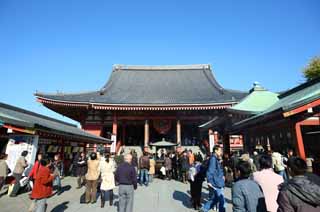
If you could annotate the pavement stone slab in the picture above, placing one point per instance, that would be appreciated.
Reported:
(159, 196)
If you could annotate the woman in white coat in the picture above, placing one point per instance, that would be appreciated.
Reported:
(107, 168)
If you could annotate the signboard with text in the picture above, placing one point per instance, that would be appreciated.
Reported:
(19, 143)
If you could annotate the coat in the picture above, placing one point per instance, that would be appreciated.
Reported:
(152, 169)
(3, 168)
(42, 184)
(215, 173)
(247, 197)
(81, 167)
(168, 164)
(300, 194)
(184, 164)
(269, 182)
(107, 175)
(93, 170)
(21, 164)
(34, 170)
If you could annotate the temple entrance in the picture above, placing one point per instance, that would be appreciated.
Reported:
(134, 133)
(190, 134)
(163, 129)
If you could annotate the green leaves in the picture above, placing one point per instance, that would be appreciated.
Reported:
(312, 71)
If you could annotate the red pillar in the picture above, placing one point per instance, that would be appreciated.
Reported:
(300, 145)
(114, 125)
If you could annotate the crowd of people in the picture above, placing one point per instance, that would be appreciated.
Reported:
(262, 181)
(268, 181)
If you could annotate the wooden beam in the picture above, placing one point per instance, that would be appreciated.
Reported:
(302, 108)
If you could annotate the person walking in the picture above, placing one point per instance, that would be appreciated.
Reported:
(152, 169)
(126, 176)
(35, 168)
(215, 178)
(168, 166)
(81, 169)
(278, 164)
(197, 175)
(246, 193)
(92, 179)
(107, 169)
(268, 181)
(191, 157)
(301, 193)
(175, 165)
(184, 167)
(3, 170)
(19, 168)
(42, 186)
(58, 169)
(144, 165)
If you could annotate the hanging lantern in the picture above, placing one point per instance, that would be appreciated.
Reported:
(162, 126)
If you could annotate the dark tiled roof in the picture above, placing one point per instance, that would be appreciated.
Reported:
(160, 85)
(24, 118)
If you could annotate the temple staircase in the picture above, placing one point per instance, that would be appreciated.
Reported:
(128, 149)
(194, 149)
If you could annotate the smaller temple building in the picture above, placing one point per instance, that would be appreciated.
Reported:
(291, 122)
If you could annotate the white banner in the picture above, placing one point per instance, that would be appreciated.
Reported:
(19, 143)
(114, 143)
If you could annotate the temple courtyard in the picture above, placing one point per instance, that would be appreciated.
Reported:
(159, 196)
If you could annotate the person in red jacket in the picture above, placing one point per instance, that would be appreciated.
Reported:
(35, 167)
(42, 186)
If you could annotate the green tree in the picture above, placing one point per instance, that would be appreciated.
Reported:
(312, 71)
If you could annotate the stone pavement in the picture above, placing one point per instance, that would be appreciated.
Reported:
(159, 196)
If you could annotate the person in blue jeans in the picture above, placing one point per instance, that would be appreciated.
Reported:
(144, 165)
(215, 179)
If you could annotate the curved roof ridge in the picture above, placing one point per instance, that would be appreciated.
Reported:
(118, 67)
(37, 93)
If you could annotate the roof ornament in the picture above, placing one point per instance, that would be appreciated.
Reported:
(257, 87)
(102, 90)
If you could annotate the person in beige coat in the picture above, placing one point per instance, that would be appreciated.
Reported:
(3, 170)
(152, 169)
(21, 164)
(107, 169)
(92, 178)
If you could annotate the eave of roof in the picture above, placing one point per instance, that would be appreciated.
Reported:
(19, 117)
(99, 106)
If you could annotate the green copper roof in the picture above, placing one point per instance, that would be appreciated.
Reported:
(257, 101)
(294, 98)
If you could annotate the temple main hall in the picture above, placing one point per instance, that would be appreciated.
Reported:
(141, 105)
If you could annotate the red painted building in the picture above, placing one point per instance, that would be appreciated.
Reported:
(292, 122)
(143, 104)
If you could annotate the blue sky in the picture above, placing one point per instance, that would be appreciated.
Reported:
(71, 45)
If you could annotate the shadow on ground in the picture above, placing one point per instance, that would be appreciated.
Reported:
(62, 207)
(182, 197)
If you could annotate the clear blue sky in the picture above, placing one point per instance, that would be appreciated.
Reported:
(70, 45)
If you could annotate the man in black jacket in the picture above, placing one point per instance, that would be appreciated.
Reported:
(302, 192)
(126, 176)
